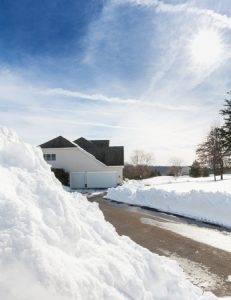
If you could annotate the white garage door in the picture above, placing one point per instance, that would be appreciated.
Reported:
(77, 180)
(92, 180)
(101, 179)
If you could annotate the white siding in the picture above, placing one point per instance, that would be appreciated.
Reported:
(78, 160)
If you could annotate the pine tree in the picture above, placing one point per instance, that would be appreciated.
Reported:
(195, 170)
(204, 172)
(226, 128)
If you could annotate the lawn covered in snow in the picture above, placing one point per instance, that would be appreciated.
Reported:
(55, 245)
(186, 183)
(198, 198)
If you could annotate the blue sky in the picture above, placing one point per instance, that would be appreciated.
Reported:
(125, 70)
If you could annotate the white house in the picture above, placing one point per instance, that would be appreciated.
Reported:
(94, 164)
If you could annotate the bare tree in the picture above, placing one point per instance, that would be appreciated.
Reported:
(140, 157)
(176, 166)
(211, 153)
(141, 165)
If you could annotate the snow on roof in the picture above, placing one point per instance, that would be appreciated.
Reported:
(56, 245)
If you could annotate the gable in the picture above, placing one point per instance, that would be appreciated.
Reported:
(58, 142)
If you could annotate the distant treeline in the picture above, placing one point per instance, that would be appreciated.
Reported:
(140, 171)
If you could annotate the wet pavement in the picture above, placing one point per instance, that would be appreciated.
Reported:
(205, 265)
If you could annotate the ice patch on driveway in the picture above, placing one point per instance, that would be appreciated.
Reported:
(198, 274)
(212, 237)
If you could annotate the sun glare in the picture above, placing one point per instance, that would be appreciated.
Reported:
(206, 47)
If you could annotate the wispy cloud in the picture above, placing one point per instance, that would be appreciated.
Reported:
(92, 97)
(57, 92)
(67, 121)
(220, 20)
(134, 82)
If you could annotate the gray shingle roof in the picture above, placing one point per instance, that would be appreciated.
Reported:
(115, 156)
(100, 143)
(58, 142)
(110, 156)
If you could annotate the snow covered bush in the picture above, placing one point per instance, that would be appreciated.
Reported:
(55, 245)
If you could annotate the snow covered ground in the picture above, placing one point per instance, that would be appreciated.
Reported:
(57, 245)
(201, 198)
(186, 183)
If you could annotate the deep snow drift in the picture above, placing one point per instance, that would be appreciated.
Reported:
(201, 199)
(56, 245)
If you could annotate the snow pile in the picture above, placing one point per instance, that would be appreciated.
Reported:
(55, 245)
(201, 199)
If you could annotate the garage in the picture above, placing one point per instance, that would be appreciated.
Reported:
(93, 180)
(77, 180)
(92, 164)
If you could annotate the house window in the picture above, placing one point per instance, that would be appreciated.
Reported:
(49, 157)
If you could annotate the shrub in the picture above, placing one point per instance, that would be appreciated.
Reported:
(61, 175)
(196, 170)
(205, 172)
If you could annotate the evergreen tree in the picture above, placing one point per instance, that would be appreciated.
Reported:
(204, 172)
(195, 170)
(226, 128)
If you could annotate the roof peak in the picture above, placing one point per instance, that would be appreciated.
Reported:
(58, 142)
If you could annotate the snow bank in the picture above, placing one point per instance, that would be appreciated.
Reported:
(55, 245)
(201, 199)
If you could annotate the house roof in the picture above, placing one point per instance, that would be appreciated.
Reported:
(115, 156)
(58, 142)
(100, 143)
(84, 142)
(86, 145)
(100, 149)
(110, 156)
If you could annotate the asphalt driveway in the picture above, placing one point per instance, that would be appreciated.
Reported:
(205, 266)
